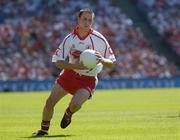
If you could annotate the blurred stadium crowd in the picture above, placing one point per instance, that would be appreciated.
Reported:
(165, 17)
(30, 31)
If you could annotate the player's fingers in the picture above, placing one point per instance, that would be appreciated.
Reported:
(97, 53)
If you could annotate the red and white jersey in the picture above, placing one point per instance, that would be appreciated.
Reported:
(73, 45)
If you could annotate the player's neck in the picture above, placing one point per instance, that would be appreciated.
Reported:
(83, 32)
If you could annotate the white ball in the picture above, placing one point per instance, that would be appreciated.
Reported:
(88, 58)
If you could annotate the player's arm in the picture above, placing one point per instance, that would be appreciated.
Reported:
(105, 61)
(107, 57)
(61, 54)
(61, 64)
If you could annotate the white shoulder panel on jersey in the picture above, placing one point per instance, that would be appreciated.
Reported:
(103, 46)
(98, 34)
(62, 51)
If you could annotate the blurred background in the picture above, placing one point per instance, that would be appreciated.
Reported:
(144, 35)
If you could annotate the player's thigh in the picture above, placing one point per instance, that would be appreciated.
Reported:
(57, 93)
(80, 97)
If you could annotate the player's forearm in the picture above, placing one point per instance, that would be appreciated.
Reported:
(107, 63)
(65, 65)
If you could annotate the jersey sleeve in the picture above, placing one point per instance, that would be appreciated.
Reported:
(62, 51)
(102, 45)
(109, 52)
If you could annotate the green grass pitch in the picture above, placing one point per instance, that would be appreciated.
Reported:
(133, 114)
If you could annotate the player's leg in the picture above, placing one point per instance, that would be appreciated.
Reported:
(57, 93)
(77, 101)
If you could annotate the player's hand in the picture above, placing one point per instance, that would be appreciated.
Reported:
(106, 62)
(100, 58)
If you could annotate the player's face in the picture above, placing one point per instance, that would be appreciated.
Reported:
(85, 20)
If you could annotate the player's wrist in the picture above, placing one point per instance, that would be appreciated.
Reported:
(103, 60)
(106, 62)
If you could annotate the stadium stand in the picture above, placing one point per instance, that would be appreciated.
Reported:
(30, 31)
(164, 16)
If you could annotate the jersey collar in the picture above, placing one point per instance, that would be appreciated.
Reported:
(75, 31)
